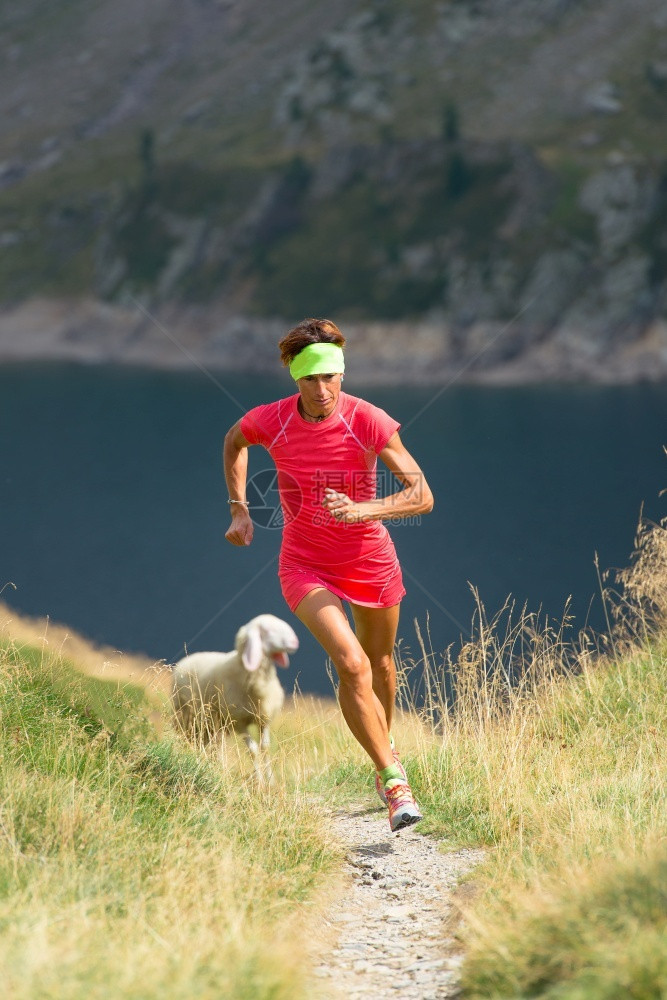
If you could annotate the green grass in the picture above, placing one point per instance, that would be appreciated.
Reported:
(560, 775)
(563, 780)
(133, 866)
(567, 794)
(600, 939)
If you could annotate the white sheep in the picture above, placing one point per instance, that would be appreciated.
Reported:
(215, 692)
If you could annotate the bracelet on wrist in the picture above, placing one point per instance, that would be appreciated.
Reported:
(244, 502)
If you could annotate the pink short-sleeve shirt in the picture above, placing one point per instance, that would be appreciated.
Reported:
(357, 562)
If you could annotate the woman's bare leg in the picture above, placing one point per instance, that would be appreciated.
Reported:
(322, 613)
(376, 631)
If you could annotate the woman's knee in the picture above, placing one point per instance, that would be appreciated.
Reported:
(354, 668)
(383, 666)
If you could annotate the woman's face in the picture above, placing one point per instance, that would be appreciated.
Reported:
(319, 393)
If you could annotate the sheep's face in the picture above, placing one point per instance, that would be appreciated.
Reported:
(267, 636)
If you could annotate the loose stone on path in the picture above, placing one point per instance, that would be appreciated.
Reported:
(392, 938)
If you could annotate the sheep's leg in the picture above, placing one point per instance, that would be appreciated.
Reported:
(255, 754)
(264, 739)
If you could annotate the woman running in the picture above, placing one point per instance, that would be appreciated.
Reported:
(325, 444)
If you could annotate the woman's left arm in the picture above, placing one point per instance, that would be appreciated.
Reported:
(414, 498)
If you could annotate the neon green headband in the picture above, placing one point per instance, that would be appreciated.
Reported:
(317, 359)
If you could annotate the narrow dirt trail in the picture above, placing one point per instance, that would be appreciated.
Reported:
(392, 926)
(393, 923)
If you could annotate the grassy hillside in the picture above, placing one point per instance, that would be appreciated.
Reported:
(570, 791)
(553, 757)
(132, 864)
(133, 867)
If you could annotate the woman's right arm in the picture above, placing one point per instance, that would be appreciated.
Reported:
(235, 462)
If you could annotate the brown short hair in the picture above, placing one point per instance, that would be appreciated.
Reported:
(309, 331)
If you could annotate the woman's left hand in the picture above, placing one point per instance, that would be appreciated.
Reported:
(341, 507)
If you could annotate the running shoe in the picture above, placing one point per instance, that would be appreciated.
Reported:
(379, 784)
(403, 810)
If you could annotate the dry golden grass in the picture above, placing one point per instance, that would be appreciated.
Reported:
(133, 865)
(103, 662)
(552, 752)
(547, 748)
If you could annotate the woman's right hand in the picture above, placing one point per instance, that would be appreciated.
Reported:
(241, 529)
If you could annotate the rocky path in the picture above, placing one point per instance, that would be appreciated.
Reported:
(393, 925)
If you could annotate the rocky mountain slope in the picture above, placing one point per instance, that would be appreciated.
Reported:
(490, 173)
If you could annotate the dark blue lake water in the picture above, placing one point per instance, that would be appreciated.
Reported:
(113, 505)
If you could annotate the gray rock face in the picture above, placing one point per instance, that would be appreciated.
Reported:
(620, 198)
(343, 75)
(511, 212)
(556, 276)
(603, 98)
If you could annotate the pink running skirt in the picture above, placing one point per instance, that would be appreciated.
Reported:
(360, 586)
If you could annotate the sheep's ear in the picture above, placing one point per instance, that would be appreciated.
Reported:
(252, 651)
